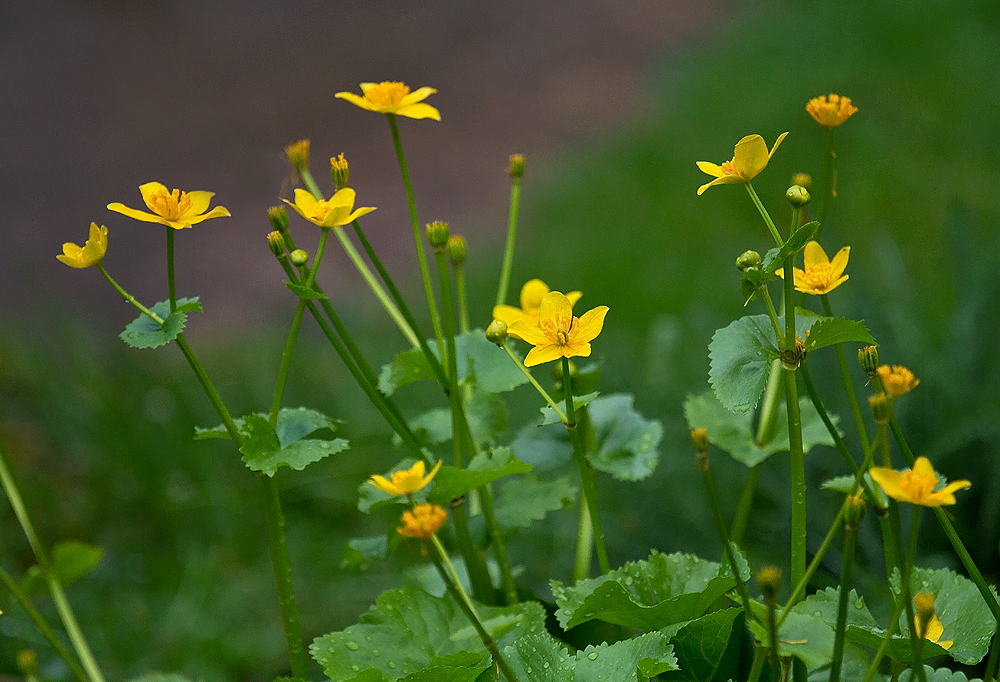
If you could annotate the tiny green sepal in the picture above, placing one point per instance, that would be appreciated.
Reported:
(144, 332)
(302, 291)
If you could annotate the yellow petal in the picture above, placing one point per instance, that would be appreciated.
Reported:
(419, 111)
(712, 169)
(750, 156)
(528, 332)
(364, 210)
(532, 293)
(839, 262)
(776, 143)
(199, 203)
(890, 482)
(554, 303)
(148, 190)
(383, 484)
(542, 354)
(507, 314)
(356, 100)
(591, 324)
(815, 255)
(118, 207)
(574, 296)
(576, 349)
(418, 95)
(217, 212)
(724, 180)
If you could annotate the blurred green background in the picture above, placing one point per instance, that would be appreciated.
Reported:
(100, 433)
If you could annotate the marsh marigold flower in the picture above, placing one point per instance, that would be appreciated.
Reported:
(174, 209)
(749, 158)
(392, 97)
(916, 486)
(91, 253)
(332, 212)
(558, 333)
(821, 275)
(897, 380)
(830, 111)
(928, 626)
(422, 521)
(532, 293)
(407, 481)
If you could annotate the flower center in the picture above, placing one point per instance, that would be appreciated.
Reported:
(321, 210)
(170, 206)
(560, 329)
(917, 486)
(819, 275)
(389, 93)
(729, 169)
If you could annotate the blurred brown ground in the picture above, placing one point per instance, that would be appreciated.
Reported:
(99, 96)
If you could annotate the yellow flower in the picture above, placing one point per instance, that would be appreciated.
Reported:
(90, 253)
(174, 209)
(926, 623)
(830, 111)
(407, 481)
(897, 380)
(532, 293)
(332, 212)
(916, 486)
(821, 275)
(749, 158)
(559, 334)
(391, 97)
(422, 521)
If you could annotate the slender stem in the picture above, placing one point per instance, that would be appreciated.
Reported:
(73, 631)
(587, 482)
(745, 504)
(538, 387)
(799, 588)
(171, 285)
(450, 577)
(415, 223)
(845, 372)
(831, 182)
(283, 580)
(766, 216)
(463, 303)
(890, 631)
(846, 566)
(905, 592)
(209, 388)
(766, 429)
(759, 658)
(129, 297)
(994, 658)
(43, 627)
(508, 253)
(584, 544)
(499, 548)
(772, 315)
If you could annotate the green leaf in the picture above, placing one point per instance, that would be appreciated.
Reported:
(302, 291)
(701, 647)
(646, 595)
(734, 432)
(161, 677)
(478, 359)
(807, 637)
(967, 620)
(71, 560)
(549, 415)
(486, 413)
(408, 631)
(945, 675)
(267, 449)
(486, 467)
(360, 552)
(775, 258)
(143, 332)
(741, 355)
(831, 330)
(526, 499)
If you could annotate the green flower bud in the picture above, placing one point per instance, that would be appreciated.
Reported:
(437, 234)
(798, 196)
(516, 167)
(458, 249)
(868, 359)
(276, 242)
(748, 259)
(297, 154)
(299, 257)
(340, 171)
(699, 439)
(278, 217)
(496, 332)
(769, 582)
(855, 511)
(881, 408)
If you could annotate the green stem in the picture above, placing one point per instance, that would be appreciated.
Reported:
(846, 566)
(538, 387)
(796, 456)
(508, 253)
(890, 631)
(171, 285)
(799, 588)
(766, 216)
(450, 577)
(283, 580)
(129, 297)
(463, 304)
(831, 183)
(584, 544)
(848, 383)
(772, 315)
(499, 547)
(905, 592)
(745, 504)
(415, 223)
(209, 388)
(767, 429)
(43, 627)
(586, 481)
(759, 658)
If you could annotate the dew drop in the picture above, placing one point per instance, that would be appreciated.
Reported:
(376, 652)
(592, 655)
(368, 638)
(391, 664)
(355, 667)
(859, 604)
(628, 580)
(353, 646)
(817, 613)
(546, 664)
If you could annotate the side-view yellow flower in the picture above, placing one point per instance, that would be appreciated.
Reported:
(532, 293)
(174, 209)
(91, 253)
(407, 481)
(916, 486)
(749, 158)
(830, 111)
(821, 275)
(393, 97)
(559, 334)
(422, 521)
(897, 380)
(926, 623)
(333, 212)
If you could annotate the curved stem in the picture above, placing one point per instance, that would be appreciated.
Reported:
(766, 216)
(129, 297)
(508, 253)
(745, 503)
(848, 383)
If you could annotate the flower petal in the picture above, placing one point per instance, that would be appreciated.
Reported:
(775, 147)
(134, 213)
(356, 100)
(419, 111)
(418, 95)
(839, 262)
(554, 303)
(712, 169)
(528, 332)
(815, 255)
(383, 484)
(542, 354)
(148, 190)
(199, 202)
(507, 314)
(890, 482)
(591, 324)
(724, 180)
(750, 156)
(532, 293)
(217, 212)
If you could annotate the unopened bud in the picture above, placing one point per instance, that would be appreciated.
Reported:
(769, 582)
(516, 167)
(881, 409)
(278, 217)
(496, 332)
(458, 249)
(748, 259)
(855, 511)
(276, 242)
(868, 359)
(27, 663)
(699, 439)
(299, 257)
(798, 196)
(297, 154)
(340, 171)
(437, 234)
(803, 179)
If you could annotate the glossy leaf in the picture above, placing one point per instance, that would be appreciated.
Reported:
(144, 332)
